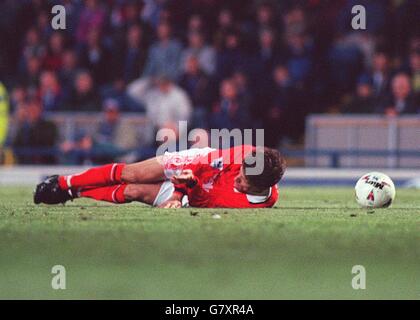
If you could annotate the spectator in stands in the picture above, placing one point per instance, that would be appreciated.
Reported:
(96, 147)
(117, 91)
(96, 58)
(54, 57)
(166, 103)
(245, 92)
(17, 97)
(197, 85)
(83, 96)
(268, 53)
(265, 19)
(152, 12)
(364, 100)
(225, 25)
(32, 48)
(92, 17)
(73, 9)
(195, 24)
(50, 91)
(30, 77)
(132, 58)
(380, 74)
(228, 112)
(364, 42)
(164, 55)
(106, 139)
(231, 57)
(68, 71)
(125, 14)
(401, 100)
(206, 55)
(79, 150)
(299, 58)
(265, 16)
(108, 127)
(43, 23)
(281, 115)
(34, 132)
(345, 65)
(294, 21)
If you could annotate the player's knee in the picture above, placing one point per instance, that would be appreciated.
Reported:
(134, 192)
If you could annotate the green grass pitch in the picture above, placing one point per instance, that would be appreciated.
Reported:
(303, 248)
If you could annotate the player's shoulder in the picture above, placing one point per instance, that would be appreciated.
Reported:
(228, 156)
(238, 153)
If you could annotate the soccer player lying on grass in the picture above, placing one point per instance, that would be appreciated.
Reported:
(210, 178)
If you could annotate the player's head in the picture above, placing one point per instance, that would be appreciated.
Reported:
(273, 169)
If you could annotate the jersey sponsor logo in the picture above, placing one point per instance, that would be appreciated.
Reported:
(217, 163)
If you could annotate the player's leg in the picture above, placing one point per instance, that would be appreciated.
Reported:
(58, 189)
(153, 194)
(123, 193)
(148, 171)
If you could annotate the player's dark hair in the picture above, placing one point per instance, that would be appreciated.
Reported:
(273, 170)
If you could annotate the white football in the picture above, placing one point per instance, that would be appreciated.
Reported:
(375, 190)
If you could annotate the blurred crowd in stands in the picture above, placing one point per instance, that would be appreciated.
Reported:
(216, 63)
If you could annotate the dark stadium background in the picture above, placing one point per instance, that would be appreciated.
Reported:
(237, 64)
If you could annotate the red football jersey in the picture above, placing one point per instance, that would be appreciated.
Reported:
(216, 171)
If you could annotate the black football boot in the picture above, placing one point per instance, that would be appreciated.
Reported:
(49, 192)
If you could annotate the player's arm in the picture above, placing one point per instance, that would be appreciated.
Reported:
(185, 179)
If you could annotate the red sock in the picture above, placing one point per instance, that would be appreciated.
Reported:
(109, 174)
(113, 193)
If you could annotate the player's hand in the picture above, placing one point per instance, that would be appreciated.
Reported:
(184, 177)
(171, 204)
